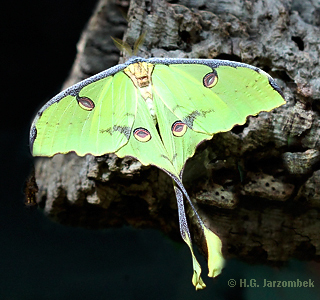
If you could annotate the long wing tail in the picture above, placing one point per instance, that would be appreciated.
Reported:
(214, 244)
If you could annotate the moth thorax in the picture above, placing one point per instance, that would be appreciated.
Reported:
(140, 73)
(143, 81)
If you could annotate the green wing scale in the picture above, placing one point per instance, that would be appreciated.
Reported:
(237, 92)
(77, 123)
(157, 110)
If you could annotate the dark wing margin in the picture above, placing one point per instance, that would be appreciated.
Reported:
(215, 63)
(74, 91)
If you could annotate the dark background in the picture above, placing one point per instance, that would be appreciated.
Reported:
(40, 259)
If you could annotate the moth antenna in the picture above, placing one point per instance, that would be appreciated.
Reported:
(122, 46)
(139, 42)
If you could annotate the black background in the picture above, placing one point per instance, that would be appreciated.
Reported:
(40, 259)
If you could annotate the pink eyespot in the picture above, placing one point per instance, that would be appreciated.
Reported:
(179, 128)
(210, 80)
(85, 103)
(142, 135)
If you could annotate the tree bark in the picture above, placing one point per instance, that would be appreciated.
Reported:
(256, 186)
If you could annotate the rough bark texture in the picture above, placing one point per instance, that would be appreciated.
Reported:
(257, 186)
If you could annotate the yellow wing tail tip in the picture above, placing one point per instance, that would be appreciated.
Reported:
(216, 263)
(215, 258)
(216, 267)
(198, 282)
(196, 278)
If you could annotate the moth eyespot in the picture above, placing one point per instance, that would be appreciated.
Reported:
(142, 135)
(85, 103)
(210, 80)
(179, 128)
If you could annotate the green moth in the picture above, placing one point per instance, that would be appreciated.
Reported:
(157, 110)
